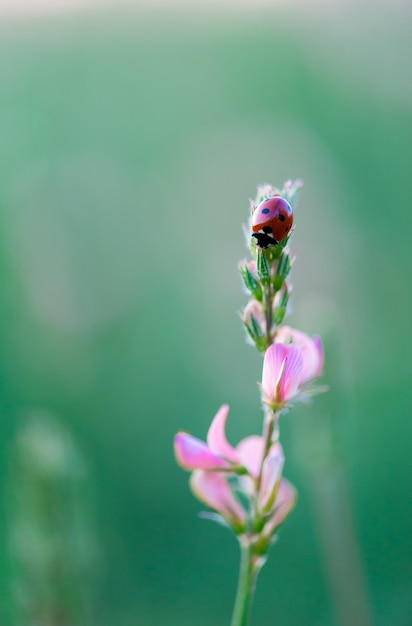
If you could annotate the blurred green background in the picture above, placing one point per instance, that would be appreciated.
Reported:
(130, 143)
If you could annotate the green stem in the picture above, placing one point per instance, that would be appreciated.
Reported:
(269, 428)
(246, 586)
(268, 313)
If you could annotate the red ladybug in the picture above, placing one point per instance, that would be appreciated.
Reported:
(271, 222)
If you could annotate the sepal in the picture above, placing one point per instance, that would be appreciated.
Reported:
(251, 284)
(263, 268)
(279, 313)
(214, 517)
(277, 250)
(282, 270)
(281, 307)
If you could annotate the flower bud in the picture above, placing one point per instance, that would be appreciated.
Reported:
(251, 283)
(254, 319)
(290, 189)
(266, 191)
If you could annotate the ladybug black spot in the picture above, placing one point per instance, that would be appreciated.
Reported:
(287, 228)
(281, 218)
(267, 229)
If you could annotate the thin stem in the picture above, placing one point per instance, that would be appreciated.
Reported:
(268, 312)
(246, 586)
(271, 421)
(269, 426)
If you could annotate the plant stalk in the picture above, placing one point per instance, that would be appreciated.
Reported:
(246, 585)
(268, 313)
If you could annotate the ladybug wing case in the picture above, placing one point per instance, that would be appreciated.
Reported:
(263, 215)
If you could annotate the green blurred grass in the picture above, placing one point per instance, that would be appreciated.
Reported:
(130, 146)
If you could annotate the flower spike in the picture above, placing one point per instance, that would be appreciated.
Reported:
(243, 484)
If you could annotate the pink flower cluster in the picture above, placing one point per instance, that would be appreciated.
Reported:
(214, 462)
(289, 364)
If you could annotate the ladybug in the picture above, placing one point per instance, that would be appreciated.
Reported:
(271, 222)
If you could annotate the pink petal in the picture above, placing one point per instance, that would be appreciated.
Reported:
(192, 453)
(271, 474)
(216, 437)
(250, 452)
(291, 374)
(284, 503)
(272, 368)
(213, 489)
(310, 347)
(312, 359)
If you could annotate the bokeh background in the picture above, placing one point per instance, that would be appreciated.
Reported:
(131, 138)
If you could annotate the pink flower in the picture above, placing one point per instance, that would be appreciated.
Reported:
(282, 371)
(289, 363)
(213, 489)
(192, 453)
(213, 461)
